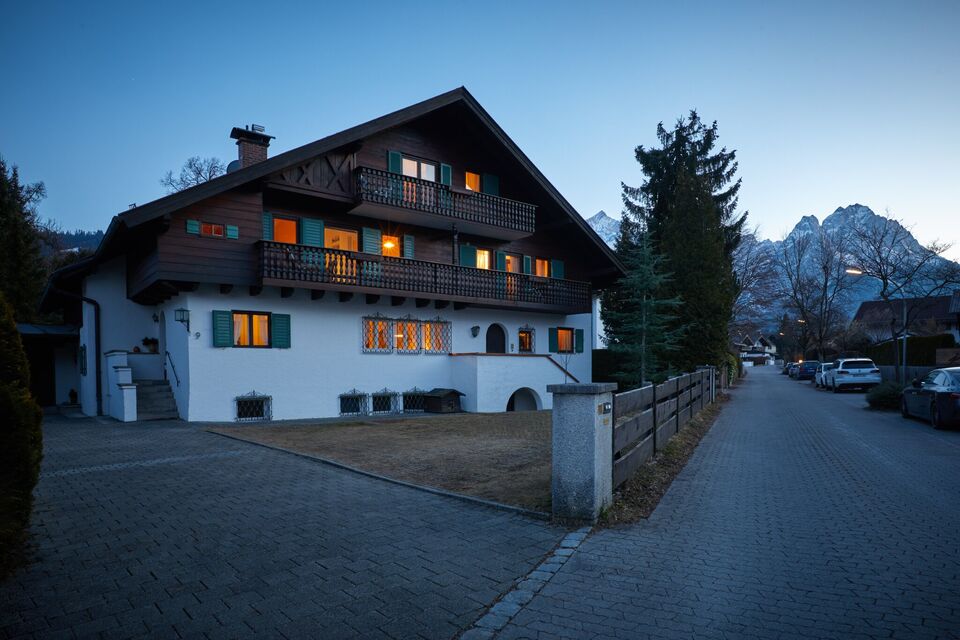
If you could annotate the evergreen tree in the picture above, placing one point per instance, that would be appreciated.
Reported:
(22, 271)
(636, 320)
(689, 204)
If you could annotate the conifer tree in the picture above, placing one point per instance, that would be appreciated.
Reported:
(636, 320)
(22, 270)
(689, 202)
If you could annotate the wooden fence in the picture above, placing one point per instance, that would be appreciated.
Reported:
(645, 419)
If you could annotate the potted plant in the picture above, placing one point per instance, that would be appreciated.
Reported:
(152, 344)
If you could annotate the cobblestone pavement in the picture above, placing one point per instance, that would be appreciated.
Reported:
(801, 515)
(164, 530)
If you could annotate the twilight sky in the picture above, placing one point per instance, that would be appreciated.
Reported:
(826, 103)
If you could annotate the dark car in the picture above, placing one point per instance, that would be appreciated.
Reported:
(807, 370)
(936, 398)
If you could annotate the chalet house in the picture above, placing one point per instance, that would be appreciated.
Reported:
(352, 275)
(925, 316)
(756, 351)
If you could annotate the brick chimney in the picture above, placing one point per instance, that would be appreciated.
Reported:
(252, 144)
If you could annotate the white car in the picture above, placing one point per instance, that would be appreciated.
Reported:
(849, 373)
(820, 375)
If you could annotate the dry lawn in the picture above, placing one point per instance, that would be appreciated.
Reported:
(497, 456)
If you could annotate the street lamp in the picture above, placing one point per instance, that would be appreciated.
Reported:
(854, 271)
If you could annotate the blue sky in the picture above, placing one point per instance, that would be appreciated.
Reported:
(826, 103)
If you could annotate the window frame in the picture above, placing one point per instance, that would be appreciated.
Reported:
(466, 184)
(222, 234)
(517, 259)
(296, 223)
(573, 340)
(533, 339)
(363, 334)
(398, 246)
(250, 314)
(536, 262)
(355, 232)
(445, 327)
(401, 348)
(491, 259)
(420, 162)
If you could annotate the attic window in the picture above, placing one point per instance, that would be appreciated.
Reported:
(211, 230)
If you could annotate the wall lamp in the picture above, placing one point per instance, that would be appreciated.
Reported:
(475, 330)
(182, 316)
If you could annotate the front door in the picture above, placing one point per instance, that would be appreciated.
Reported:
(496, 339)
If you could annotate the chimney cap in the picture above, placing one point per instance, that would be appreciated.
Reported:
(251, 134)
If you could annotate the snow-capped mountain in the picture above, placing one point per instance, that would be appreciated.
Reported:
(606, 227)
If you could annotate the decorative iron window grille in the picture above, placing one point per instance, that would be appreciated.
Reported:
(437, 336)
(353, 403)
(527, 339)
(254, 407)
(384, 402)
(413, 400)
(407, 334)
(378, 334)
(83, 359)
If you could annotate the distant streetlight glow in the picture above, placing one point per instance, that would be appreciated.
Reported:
(854, 271)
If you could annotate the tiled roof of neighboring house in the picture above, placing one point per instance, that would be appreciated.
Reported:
(920, 309)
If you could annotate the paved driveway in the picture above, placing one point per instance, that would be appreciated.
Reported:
(801, 515)
(163, 530)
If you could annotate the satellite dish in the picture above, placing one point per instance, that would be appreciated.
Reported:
(233, 166)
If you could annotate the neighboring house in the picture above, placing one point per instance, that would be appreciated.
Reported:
(759, 351)
(925, 316)
(420, 250)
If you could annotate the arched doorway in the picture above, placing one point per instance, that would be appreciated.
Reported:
(524, 399)
(496, 339)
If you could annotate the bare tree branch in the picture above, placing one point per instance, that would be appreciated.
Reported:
(195, 170)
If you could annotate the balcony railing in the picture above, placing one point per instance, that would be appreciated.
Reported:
(347, 269)
(392, 189)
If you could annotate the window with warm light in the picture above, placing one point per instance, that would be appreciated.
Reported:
(285, 230)
(512, 262)
(407, 336)
(542, 267)
(415, 168)
(376, 335)
(472, 181)
(251, 329)
(525, 341)
(340, 239)
(483, 258)
(391, 246)
(564, 340)
(211, 230)
(436, 336)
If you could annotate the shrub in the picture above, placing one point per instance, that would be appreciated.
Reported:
(21, 441)
(885, 395)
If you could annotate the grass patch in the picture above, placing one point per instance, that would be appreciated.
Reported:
(641, 494)
(503, 457)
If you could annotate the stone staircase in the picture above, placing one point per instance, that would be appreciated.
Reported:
(155, 400)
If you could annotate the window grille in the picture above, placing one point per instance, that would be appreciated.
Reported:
(437, 336)
(407, 335)
(353, 403)
(378, 334)
(254, 407)
(384, 402)
(413, 401)
(527, 339)
(83, 359)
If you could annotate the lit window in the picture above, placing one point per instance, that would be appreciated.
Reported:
(411, 168)
(542, 268)
(376, 335)
(391, 246)
(472, 181)
(285, 230)
(564, 340)
(251, 329)
(513, 263)
(428, 172)
(483, 258)
(406, 338)
(525, 341)
(211, 230)
(436, 336)
(340, 239)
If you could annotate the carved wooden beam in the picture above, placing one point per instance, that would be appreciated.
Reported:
(346, 296)
(188, 286)
(422, 302)
(286, 292)
(396, 301)
(256, 290)
(317, 294)
(226, 288)
(441, 304)
(373, 298)
(457, 306)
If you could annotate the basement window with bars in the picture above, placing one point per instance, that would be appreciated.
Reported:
(413, 400)
(437, 336)
(254, 407)
(353, 403)
(407, 336)
(377, 334)
(384, 402)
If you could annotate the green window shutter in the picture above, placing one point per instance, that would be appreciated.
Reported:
(578, 340)
(446, 174)
(527, 264)
(268, 226)
(394, 162)
(556, 269)
(490, 184)
(408, 247)
(501, 261)
(311, 232)
(371, 241)
(553, 341)
(193, 227)
(280, 330)
(468, 256)
(222, 329)
(233, 232)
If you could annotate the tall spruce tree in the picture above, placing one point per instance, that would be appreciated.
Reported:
(637, 321)
(688, 201)
(22, 270)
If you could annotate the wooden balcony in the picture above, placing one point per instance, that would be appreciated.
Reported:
(288, 265)
(390, 196)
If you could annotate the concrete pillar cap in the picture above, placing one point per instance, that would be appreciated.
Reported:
(592, 388)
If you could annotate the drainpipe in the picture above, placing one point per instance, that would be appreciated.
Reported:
(96, 339)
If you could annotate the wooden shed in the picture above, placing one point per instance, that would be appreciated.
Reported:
(440, 400)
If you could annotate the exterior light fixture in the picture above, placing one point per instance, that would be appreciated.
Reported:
(182, 316)
(475, 330)
(854, 271)
(388, 244)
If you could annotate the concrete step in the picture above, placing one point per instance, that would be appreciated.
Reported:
(158, 415)
(155, 400)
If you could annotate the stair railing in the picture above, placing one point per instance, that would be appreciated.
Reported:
(172, 366)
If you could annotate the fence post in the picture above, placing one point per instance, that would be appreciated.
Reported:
(653, 408)
(582, 469)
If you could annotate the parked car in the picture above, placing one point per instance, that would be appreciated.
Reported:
(851, 373)
(793, 370)
(786, 368)
(806, 369)
(936, 398)
(818, 375)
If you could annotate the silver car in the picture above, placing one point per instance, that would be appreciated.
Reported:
(820, 374)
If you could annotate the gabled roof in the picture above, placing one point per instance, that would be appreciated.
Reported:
(880, 312)
(173, 202)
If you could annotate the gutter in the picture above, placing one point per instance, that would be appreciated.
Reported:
(96, 338)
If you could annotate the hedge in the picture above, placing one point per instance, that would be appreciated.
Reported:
(921, 350)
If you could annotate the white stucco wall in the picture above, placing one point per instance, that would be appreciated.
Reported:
(176, 340)
(489, 381)
(326, 358)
